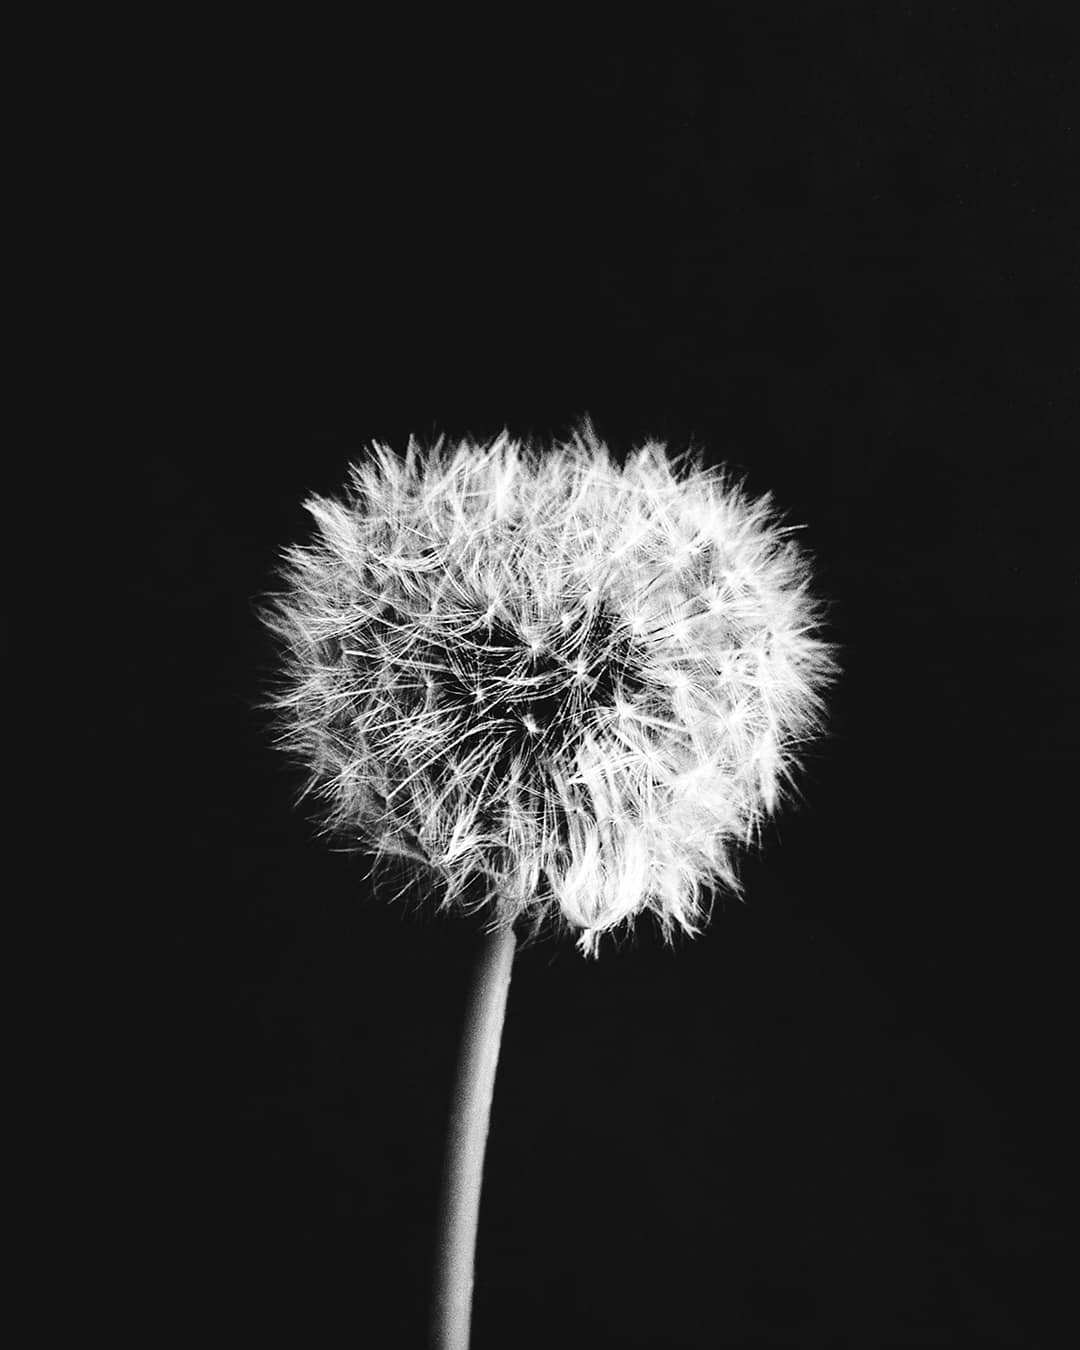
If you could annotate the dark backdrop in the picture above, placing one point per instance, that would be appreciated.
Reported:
(837, 248)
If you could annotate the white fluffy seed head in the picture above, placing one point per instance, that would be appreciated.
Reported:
(574, 682)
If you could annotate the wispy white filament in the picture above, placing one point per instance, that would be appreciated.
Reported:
(574, 681)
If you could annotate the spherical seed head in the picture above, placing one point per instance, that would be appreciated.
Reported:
(578, 681)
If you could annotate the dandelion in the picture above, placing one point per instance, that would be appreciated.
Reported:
(569, 687)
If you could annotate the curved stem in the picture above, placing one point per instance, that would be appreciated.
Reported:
(466, 1141)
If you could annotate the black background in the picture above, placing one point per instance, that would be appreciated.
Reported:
(835, 246)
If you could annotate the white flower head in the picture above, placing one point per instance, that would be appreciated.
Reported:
(578, 682)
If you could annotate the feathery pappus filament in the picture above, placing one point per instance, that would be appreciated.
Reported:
(579, 680)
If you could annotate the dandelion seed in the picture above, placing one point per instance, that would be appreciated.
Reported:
(489, 632)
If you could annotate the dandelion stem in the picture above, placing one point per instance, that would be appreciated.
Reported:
(466, 1141)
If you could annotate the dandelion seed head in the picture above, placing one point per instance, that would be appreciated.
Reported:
(581, 682)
